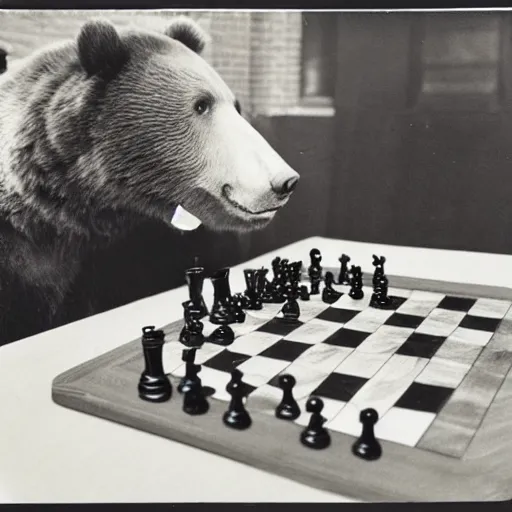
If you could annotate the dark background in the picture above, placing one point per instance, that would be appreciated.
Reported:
(399, 125)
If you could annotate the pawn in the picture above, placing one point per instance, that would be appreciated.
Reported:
(194, 401)
(223, 335)
(367, 447)
(315, 435)
(291, 309)
(236, 416)
(329, 294)
(288, 409)
(304, 293)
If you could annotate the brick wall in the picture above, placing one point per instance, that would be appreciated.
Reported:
(257, 53)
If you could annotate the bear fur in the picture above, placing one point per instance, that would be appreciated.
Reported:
(101, 132)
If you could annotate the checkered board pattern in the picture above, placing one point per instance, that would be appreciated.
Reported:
(406, 362)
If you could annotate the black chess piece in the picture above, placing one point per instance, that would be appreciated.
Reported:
(378, 263)
(194, 400)
(191, 370)
(329, 294)
(192, 333)
(343, 277)
(315, 435)
(253, 300)
(356, 284)
(288, 409)
(316, 259)
(291, 309)
(154, 385)
(238, 303)
(315, 277)
(367, 447)
(223, 335)
(236, 416)
(304, 293)
(195, 279)
(263, 286)
(380, 298)
(222, 310)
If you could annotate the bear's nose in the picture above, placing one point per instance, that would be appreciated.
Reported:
(286, 187)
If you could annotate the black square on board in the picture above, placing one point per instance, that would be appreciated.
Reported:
(338, 386)
(226, 361)
(403, 320)
(480, 323)
(337, 315)
(456, 303)
(285, 350)
(347, 338)
(280, 326)
(421, 345)
(424, 397)
(396, 302)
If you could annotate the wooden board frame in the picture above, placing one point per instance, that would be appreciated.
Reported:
(106, 387)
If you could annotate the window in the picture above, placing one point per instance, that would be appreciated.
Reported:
(461, 61)
(318, 58)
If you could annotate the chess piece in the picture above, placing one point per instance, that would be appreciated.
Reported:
(236, 416)
(263, 286)
(194, 400)
(329, 294)
(367, 447)
(315, 277)
(253, 300)
(222, 310)
(291, 309)
(195, 279)
(223, 335)
(315, 435)
(288, 409)
(378, 263)
(380, 298)
(238, 303)
(304, 293)
(316, 259)
(192, 333)
(191, 370)
(343, 277)
(154, 385)
(356, 284)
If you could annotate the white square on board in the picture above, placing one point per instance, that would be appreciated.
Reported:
(403, 426)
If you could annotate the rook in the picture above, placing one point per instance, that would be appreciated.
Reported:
(154, 385)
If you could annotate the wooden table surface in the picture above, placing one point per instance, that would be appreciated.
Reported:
(52, 454)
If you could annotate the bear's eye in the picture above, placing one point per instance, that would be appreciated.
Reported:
(238, 106)
(203, 106)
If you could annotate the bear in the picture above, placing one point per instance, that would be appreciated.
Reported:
(105, 130)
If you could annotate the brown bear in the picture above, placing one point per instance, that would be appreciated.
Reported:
(108, 129)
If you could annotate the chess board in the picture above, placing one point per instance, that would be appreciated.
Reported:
(436, 367)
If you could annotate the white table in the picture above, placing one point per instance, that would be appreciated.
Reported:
(52, 454)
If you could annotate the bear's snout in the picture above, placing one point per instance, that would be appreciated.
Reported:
(284, 186)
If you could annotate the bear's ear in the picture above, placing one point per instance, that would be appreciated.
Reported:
(100, 49)
(188, 32)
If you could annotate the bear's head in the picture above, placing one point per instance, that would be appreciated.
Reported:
(169, 132)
